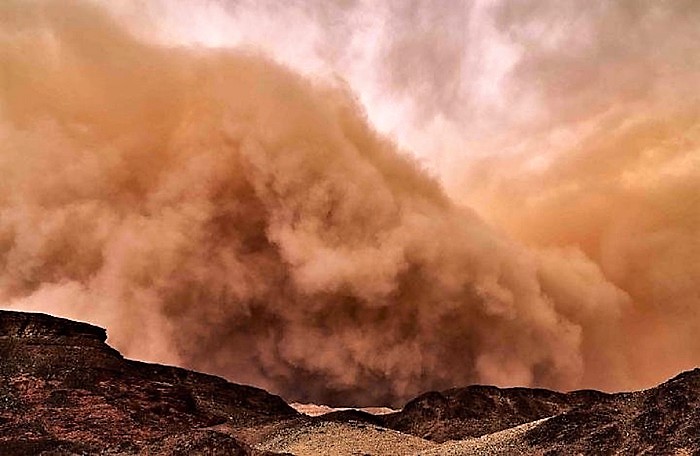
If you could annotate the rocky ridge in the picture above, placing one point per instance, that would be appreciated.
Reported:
(63, 390)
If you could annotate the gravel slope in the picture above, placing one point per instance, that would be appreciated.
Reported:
(359, 439)
(331, 438)
(506, 442)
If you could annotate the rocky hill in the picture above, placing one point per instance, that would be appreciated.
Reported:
(660, 420)
(63, 390)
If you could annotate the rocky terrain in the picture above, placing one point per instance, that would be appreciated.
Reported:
(63, 390)
(661, 420)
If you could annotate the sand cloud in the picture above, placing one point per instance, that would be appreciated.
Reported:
(217, 209)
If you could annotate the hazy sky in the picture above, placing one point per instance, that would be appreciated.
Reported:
(353, 202)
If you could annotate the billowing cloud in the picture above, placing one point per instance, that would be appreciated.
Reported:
(219, 210)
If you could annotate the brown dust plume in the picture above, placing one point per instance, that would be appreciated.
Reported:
(216, 210)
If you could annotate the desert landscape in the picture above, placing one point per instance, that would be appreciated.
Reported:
(349, 227)
(64, 391)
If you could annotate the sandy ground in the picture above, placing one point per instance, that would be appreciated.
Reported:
(316, 410)
(506, 442)
(359, 439)
(352, 439)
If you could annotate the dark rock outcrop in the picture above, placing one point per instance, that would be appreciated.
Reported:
(661, 420)
(473, 411)
(477, 410)
(63, 390)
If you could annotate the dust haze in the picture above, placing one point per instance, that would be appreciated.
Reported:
(349, 226)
